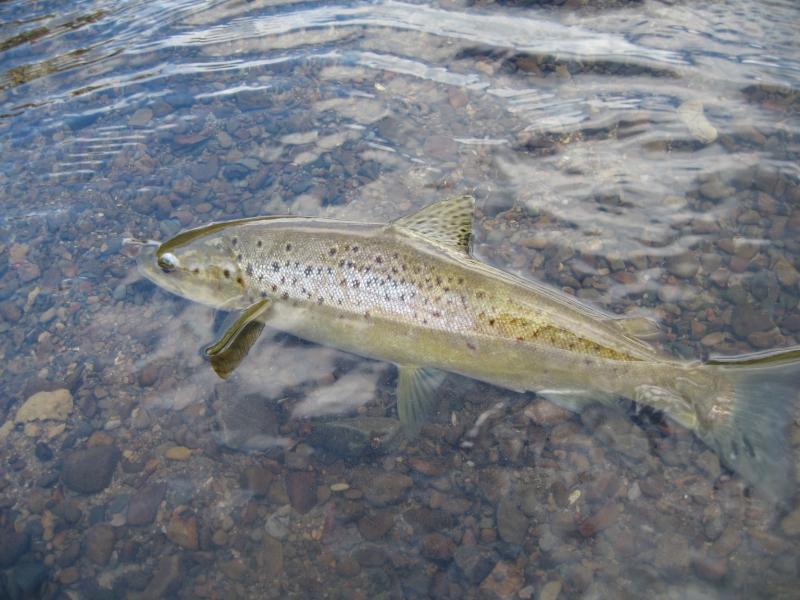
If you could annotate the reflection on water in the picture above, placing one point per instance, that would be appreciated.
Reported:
(641, 156)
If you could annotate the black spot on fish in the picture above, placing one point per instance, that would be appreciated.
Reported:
(332, 251)
(471, 346)
(341, 263)
(235, 241)
(239, 280)
(239, 257)
(264, 294)
(196, 270)
(491, 322)
(308, 271)
(276, 267)
(379, 259)
(259, 243)
(356, 283)
(227, 274)
(249, 269)
(320, 300)
(436, 313)
(460, 280)
(355, 248)
(288, 247)
(274, 288)
(285, 295)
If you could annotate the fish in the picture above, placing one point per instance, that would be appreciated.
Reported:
(410, 292)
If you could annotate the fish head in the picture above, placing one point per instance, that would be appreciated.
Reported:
(199, 265)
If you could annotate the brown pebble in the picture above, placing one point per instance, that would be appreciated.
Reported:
(69, 576)
(182, 530)
(301, 486)
(99, 438)
(600, 520)
(437, 547)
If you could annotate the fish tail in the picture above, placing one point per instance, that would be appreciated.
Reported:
(747, 420)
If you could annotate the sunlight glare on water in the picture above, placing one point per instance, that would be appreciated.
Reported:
(640, 156)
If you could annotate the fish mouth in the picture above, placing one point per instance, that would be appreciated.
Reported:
(148, 268)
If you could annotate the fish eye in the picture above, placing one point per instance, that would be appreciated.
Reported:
(167, 262)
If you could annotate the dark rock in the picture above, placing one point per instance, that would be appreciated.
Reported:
(253, 100)
(370, 556)
(600, 520)
(301, 486)
(475, 562)
(13, 544)
(747, 319)
(437, 547)
(428, 519)
(258, 480)
(99, 543)
(374, 525)
(182, 530)
(143, 505)
(355, 438)
(387, 488)
(179, 99)
(68, 511)
(512, 524)
(23, 581)
(43, 452)
(48, 479)
(166, 579)
(90, 471)
(205, 170)
(234, 172)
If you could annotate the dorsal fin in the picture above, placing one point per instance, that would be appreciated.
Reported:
(447, 222)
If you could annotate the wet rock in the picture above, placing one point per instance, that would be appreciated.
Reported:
(55, 405)
(10, 311)
(503, 582)
(355, 438)
(709, 567)
(178, 453)
(247, 422)
(747, 319)
(786, 273)
(253, 100)
(99, 543)
(790, 524)
(13, 544)
(550, 590)
(166, 579)
(235, 172)
(204, 170)
(370, 556)
(141, 117)
(672, 553)
(474, 562)
(143, 505)
(683, 265)
(258, 480)
(182, 530)
(512, 524)
(23, 581)
(600, 520)
(43, 452)
(543, 412)
(427, 519)
(387, 488)
(374, 525)
(302, 489)
(90, 471)
(437, 547)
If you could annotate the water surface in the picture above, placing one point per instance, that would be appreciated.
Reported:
(642, 156)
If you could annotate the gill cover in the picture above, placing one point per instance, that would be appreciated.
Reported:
(199, 264)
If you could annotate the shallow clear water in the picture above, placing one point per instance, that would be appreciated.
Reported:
(642, 156)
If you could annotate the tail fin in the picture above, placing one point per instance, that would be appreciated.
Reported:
(753, 439)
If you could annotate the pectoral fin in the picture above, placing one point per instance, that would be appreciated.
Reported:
(416, 394)
(231, 348)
